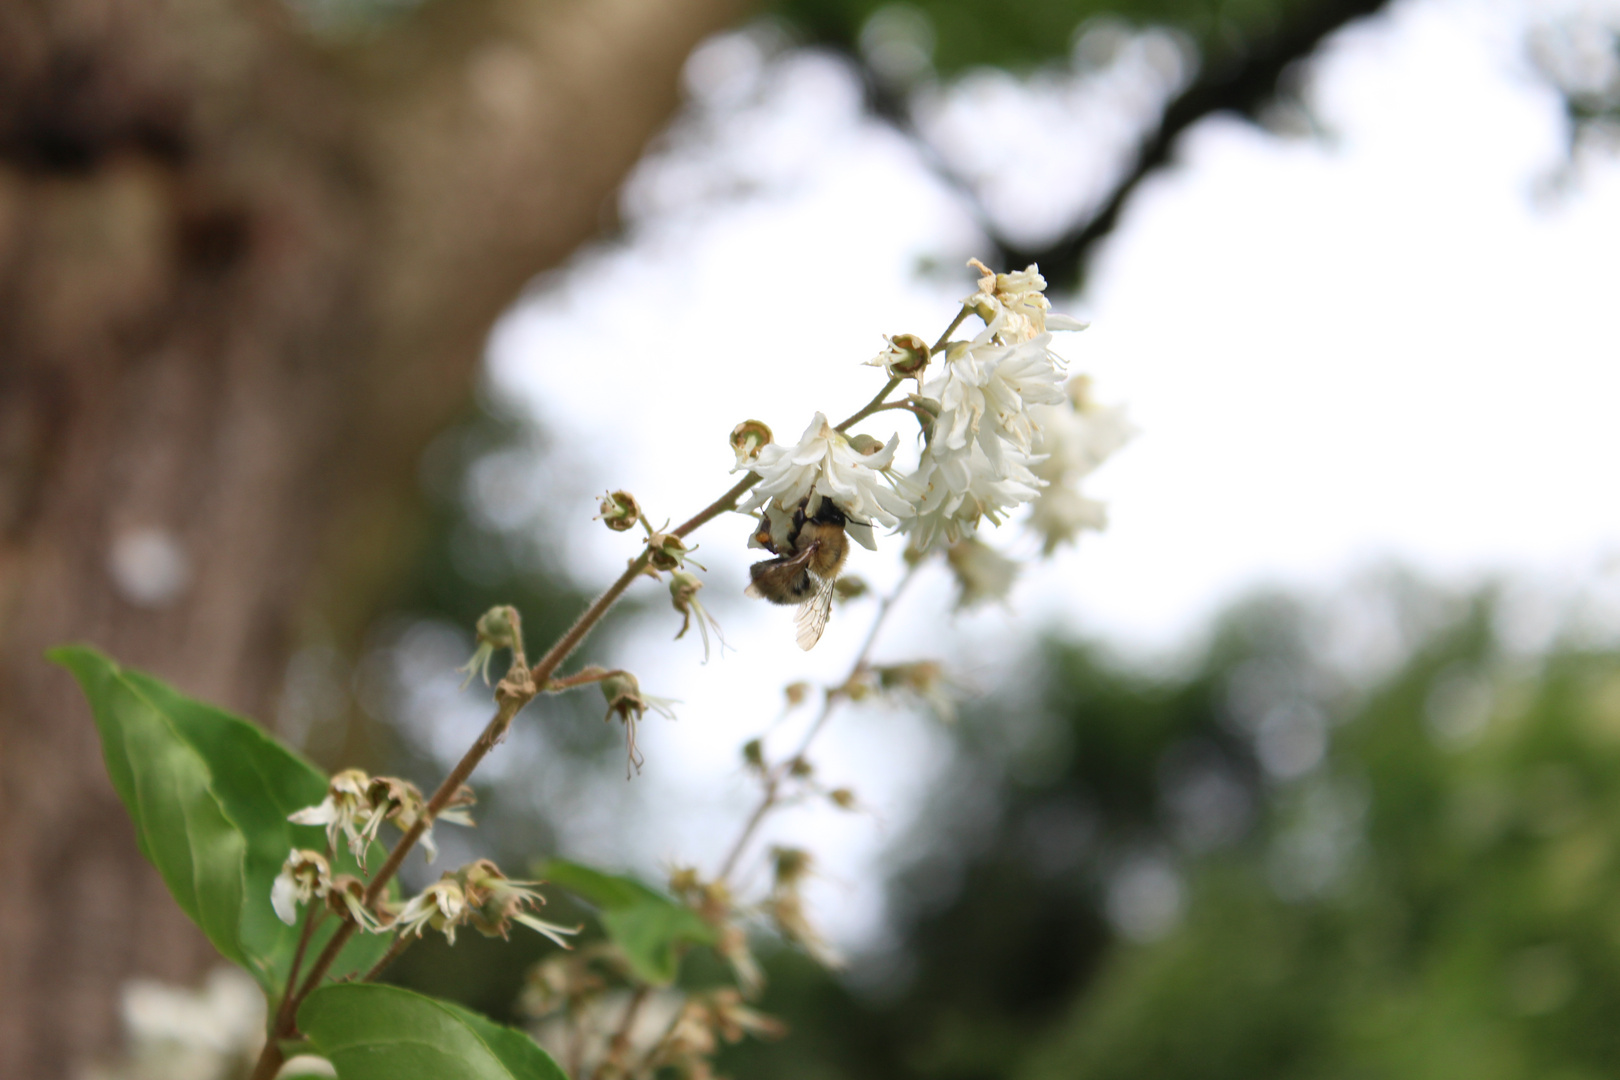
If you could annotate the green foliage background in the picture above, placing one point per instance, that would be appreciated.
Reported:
(1461, 917)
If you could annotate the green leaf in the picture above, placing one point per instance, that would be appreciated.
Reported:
(649, 926)
(209, 793)
(369, 1031)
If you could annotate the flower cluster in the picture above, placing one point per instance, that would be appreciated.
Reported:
(999, 432)
(356, 805)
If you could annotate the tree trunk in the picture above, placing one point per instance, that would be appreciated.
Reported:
(244, 277)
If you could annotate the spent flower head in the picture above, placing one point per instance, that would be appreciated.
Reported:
(683, 590)
(401, 802)
(905, 356)
(626, 701)
(495, 901)
(347, 898)
(344, 810)
(619, 511)
(441, 906)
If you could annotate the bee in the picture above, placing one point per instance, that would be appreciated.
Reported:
(805, 570)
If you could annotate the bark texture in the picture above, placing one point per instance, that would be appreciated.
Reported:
(244, 276)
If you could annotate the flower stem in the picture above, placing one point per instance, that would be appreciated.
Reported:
(870, 407)
(773, 782)
(401, 943)
(519, 687)
(619, 1048)
(951, 329)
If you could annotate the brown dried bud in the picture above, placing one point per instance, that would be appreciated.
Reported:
(753, 752)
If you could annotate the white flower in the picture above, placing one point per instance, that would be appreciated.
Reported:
(952, 493)
(982, 572)
(1079, 435)
(1074, 439)
(1061, 514)
(344, 810)
(177, 1032)
(826, 463)
(305, 874)
(985, 391)
(441, 906)
(1014, 306)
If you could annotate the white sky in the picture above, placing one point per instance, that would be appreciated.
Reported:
(1395, 340)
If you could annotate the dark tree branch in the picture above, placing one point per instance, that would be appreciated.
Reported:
(1242, 84)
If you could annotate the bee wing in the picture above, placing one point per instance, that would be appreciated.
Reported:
(812, 617)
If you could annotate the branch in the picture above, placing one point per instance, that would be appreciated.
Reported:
(1242, 84)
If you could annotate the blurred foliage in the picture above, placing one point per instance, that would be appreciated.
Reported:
(962, 34)
(1429, 889)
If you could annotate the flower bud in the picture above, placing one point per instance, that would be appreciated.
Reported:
(800, 768)
(753, 753)
(746, 440)
(620, 511)
(790, 866)
(499, 627)
(850, 587)
(843, 798)
(796, 693)
(866, 445)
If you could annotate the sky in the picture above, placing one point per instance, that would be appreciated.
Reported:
(1384, 338)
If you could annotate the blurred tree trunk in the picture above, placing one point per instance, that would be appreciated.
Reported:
(244, 276)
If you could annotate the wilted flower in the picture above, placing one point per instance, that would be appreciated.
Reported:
(905, 356)
(666, 551)
(624, 698)
(344, 810)
(441, 906)
(347, 897)
(683, 590)
(495, 902)
(401, 802)
(305, 874)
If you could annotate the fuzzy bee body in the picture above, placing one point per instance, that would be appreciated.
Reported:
(805, 568)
